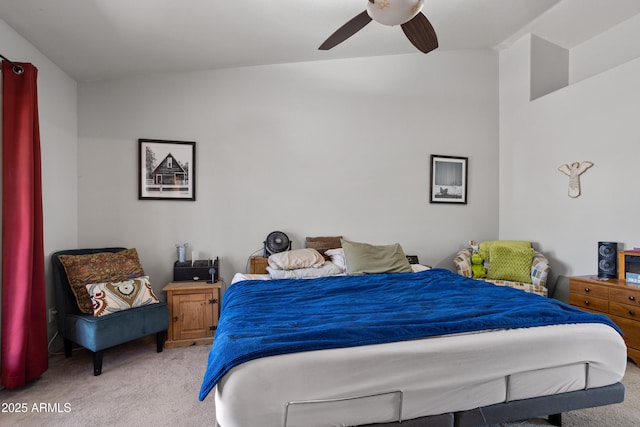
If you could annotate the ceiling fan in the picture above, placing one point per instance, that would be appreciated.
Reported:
(406, 13)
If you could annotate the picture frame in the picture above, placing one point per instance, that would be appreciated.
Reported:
(166, 170)
(448, 181)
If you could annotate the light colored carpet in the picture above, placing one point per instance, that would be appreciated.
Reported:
(139, 387)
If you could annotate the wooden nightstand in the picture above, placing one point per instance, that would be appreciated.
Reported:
(194, 308)
(615, 298)
(258, 265)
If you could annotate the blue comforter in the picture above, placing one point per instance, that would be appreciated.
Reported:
(267, 318)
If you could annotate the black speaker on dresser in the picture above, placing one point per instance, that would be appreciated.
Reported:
(608, 260)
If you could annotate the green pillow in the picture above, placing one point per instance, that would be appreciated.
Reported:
(365, 258)
(485, 247)
(508, 263)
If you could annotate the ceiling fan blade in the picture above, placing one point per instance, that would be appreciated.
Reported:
(347, 30)
(420, 32)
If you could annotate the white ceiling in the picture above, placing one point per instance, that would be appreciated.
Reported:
(105, 39)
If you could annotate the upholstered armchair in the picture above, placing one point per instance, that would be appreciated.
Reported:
(106, 326)
(507, 263)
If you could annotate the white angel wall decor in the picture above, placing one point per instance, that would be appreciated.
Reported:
(573, 171)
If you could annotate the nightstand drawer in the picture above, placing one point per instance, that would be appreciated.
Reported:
(588, 289)
(625, 296)
(588, 301)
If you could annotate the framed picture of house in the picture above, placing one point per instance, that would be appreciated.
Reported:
(167, 170)
(448, 183)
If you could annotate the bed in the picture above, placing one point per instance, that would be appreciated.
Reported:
(424, 348)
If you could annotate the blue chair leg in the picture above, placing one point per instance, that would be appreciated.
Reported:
(97, 363)
(67, 347)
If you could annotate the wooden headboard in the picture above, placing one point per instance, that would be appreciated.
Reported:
(322, 244)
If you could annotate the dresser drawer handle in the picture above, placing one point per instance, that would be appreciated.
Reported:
(586, 302)
(632, 298)
(632, 313)
(587, 290)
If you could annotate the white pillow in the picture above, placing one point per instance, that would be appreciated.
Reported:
(327, 269)
(419, 267)
(337, 257)
(297, 258)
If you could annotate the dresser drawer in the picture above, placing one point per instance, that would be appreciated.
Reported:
(625, 296)
(590, 302)
(625, 310)
(590, 289)
(631, 330)
(615, 299)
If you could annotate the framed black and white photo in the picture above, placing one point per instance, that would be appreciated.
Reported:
(448, 183)
(166, 170)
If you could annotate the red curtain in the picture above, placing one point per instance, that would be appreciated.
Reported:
(24, 323)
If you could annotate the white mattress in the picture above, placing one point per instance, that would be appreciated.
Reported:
(239, 277)
(436, 375)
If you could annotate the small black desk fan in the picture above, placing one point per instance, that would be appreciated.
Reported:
(276, 242)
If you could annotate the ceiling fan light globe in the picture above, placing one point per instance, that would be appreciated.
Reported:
(394, 12)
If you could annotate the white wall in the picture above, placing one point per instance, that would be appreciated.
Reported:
(549, 67)
(59, 144)
(595, 120)
(607, 50)
(323, 148)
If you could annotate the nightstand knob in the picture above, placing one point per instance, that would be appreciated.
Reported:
(632, 313)
(586, 302)
(632, 298)
(587, 290)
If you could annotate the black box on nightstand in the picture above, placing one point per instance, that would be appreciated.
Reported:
(205, 270)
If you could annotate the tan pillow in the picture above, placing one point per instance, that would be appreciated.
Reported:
(296, 258)
(365, 258)
(99, 268)
(109, 298)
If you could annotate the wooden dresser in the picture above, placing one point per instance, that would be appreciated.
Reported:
(193, 312)
(615, 298)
